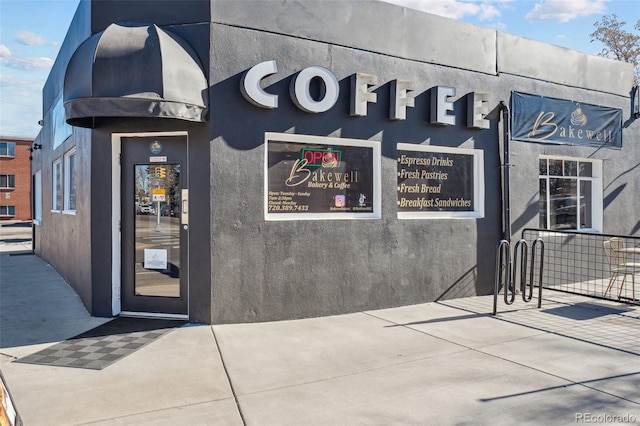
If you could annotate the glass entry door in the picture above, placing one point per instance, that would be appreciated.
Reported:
(157, 232)
(155, 225)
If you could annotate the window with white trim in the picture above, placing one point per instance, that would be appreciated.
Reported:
(7, 181)
(37, 186)
(7, 149)
(57, 185)
(321, 178)
(438, 182)
(70, 180)
(7, 210)
(570, 194)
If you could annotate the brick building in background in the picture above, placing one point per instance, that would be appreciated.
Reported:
(15, 178)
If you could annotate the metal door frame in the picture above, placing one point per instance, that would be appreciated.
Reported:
(116, 215)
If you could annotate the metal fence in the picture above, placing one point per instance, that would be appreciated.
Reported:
(576, 262)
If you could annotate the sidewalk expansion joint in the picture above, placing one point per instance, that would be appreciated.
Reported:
(226, 372)
(583, 383)
(142, 413)
(8, 356)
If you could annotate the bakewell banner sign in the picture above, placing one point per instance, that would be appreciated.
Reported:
(547, 120)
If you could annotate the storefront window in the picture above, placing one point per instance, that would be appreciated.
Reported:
(57, 186)
(318, 178)
(567, 189)
(37, 186)
(436, 182)
(70, 180)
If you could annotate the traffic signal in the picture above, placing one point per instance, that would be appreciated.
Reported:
(160, 172)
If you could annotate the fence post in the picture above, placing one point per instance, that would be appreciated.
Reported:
(533, 262)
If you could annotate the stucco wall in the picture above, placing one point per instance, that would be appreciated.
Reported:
(410, 34)
(101, 207)
(78, 245)
(274, 270)
(368, 25)
(540, 61)
(243, 268)
(621, 202)
(64, 239)
(265, 270)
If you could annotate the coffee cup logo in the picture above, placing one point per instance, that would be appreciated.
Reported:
(578, 118)
(155, 147)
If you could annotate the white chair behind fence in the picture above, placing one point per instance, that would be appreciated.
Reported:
(618, 265)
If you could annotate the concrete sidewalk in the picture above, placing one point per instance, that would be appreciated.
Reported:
(15, 236)
(576, 360)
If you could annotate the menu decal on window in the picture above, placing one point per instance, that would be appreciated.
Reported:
(438, 180)
(306, 177)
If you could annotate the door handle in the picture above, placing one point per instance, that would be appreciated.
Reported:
(184, 211)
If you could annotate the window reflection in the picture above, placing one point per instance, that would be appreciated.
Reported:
(157, 245)
(565, 194)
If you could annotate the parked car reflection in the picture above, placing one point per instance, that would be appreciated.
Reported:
(172, 210)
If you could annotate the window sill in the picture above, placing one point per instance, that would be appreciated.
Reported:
(67, 212)
(567, 232)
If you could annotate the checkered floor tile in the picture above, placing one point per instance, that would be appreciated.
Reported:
(104, 345)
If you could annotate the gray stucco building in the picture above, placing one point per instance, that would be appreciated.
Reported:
(248, 161)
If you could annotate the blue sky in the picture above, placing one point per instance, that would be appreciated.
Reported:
(31, 32)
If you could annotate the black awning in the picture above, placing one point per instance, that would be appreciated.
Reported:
(134, 70)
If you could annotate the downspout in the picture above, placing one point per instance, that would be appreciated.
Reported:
(32, 203)
(506, 165)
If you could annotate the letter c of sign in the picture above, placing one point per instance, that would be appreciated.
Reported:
(250, 85)
(301, 96)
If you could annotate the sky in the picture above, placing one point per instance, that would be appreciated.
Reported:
(31, 32)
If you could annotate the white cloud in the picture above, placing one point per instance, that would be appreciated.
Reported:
(25, 64)
(565, 10)
(498, 25)
(30, 63)
(31, 39)
(488, 12)
(4, 52)
(21, 105)
(455, 9)
(7, 80)
(37, 63)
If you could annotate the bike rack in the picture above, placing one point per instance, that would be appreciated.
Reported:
(507, 271)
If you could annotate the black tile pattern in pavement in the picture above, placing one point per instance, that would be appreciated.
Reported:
(104, 345)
